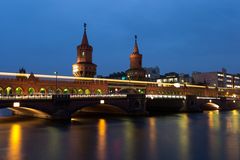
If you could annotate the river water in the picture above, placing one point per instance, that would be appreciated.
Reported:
(209, 135)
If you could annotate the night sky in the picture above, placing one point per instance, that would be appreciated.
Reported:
(176, 35)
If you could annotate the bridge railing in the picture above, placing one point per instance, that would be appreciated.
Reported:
(207, 98)
(25, 97)
(29, 97)
(166, 96)
(99, 96)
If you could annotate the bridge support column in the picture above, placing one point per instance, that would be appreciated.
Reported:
(223, 103)
(61, 102)
(191, 104)
(136, 104)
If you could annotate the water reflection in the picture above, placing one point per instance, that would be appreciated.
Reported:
(102, 133)
(232, 136)
(213, 134)
(15, 140)
(152, 135)
(209, 135)
(233, 124)
(213, 119)
(128, 132)
(183, 129)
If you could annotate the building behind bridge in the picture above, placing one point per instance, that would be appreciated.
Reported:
(173, 77)
(217, 79)
(152, 73)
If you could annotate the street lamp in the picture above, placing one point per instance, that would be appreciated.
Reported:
(56, 73)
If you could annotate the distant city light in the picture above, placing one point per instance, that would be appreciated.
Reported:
(16, 104)
(177, 85)
(102, 101)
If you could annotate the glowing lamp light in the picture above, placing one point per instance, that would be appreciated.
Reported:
(102, 101)
(177, 85)
(16, 104)
(210, 101)
(75, 68)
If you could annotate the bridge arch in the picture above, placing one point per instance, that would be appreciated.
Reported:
(58, 91)
(66, 91)
(50, 91)
(87, 91)
(160, 92)
(74, 91)
(42, 91)
(30, 111)
(9, 91)
(210, 106)
(100, 108)
(31, 91)
(80, 91)
(98, 91)
(1, 91)
(19, 91)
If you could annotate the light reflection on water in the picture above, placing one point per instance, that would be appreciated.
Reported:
(15, 140)
(183, 136)
(208, 135)
(152, 135)
(102, 134)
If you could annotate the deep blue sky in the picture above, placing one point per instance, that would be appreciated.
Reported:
(176, 35)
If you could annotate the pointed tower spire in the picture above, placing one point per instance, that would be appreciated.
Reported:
(84, 38)
(135, 50)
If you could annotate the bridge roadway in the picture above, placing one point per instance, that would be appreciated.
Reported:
(66, 106)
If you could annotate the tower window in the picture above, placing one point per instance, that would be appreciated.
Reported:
(83, 54)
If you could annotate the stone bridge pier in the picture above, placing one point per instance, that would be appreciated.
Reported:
(191, 104)
(136, 103)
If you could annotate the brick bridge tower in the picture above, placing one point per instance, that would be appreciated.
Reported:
(136, 72)
(84, 66)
